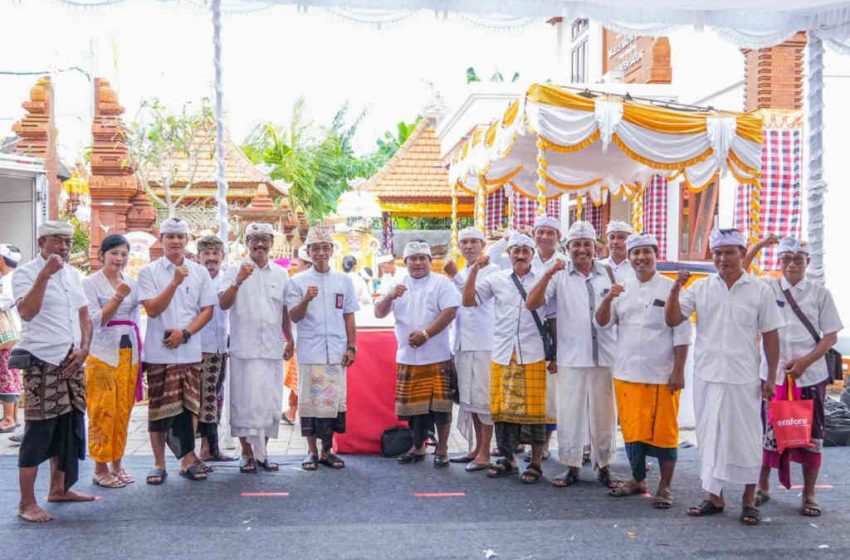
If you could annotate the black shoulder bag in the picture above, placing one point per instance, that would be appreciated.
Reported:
(549, 347)
(834, 364)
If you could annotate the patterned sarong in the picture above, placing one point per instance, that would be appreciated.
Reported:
(10, 379)
(173, 388)
(518, 392)
(423, 389)
(47, 395)
(111, 397)
(648, 413)
(212, 379)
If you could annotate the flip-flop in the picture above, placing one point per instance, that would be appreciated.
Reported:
(762, 497)
(108, 481)
(410, 457)
(630, 488)
(811, 508)
(501, 469)
(461, 459)
(750, 516)
(269, 466)
(195, 473)
(247, 466)
(286, 420)
(565, 479)
(441, 461)
(310, 463)
(8, 430)
(156, 477)
(332, 461)
(705, 508)
(532, 474)
(604, 478)
(663, 500)
(475, 467)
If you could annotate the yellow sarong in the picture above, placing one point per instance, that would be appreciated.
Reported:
(648, 413)
(518, 392)
(111, 395)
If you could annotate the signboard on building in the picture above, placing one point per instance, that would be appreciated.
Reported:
(638, 60)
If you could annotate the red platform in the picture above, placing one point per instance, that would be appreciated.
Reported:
(371, 394)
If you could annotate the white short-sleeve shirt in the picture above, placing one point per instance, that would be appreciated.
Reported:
(424, 299)
(644, 351)
(214, 334)
(105, 344)
(515, 329)
(51, 334)
(728, 324)
(190, 297)
(575, 298)
(474, 325)
(321, 336)
(816, 303)
(256, 318)
(622, 271)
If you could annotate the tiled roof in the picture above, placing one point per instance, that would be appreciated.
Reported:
(415, 173)
(242, 175)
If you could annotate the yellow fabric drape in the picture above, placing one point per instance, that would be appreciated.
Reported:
(426, 210)
(110, 397)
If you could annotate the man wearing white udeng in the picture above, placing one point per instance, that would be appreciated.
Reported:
(732, 308)
(254, 290)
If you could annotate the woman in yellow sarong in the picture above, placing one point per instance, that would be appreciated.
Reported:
(112, 368)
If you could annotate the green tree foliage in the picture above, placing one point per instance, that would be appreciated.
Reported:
(391, 141)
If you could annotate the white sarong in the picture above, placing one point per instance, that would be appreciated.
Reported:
(473, 383)
(321, 390)
(586, 399)
(729, 433)
(256, 400)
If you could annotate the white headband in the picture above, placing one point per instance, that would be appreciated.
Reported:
(581, 230)
(548, 221)
(636, 240)
(520, 240)
(417, 248)
(615, 226)
(302, 254)
(259, 228)
(318, 235)
(12, 254)
(384, 259)
(791, 245)
(726, 237)
(175, 226)
(470, 233)
(55, 227)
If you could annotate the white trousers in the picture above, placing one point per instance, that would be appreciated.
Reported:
(586, 399)
(729, 433)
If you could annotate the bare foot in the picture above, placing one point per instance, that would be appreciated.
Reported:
(69, 496)
(33, 513)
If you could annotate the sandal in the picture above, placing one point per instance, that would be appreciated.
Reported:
(532, 474)
(247, 466)
(285, 419)
(475, 467)
(568, 478)
(663, 499)
(205, 468)
(706, 507)
(108, 480)
(124, 476)
(630, 488)
(195, 473)
(410, 457)
(811, 508)
(501, 469)
(544, 457)
(462, 459)
(762, 497)
(332, 461)
(750, 515)
(310, 463)
(268, 466)
(603, 475)
(441, 461)
(156, 477)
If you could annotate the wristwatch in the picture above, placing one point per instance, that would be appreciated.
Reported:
(186, 336)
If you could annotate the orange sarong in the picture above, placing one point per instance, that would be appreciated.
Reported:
(648, 413)
(111, 395)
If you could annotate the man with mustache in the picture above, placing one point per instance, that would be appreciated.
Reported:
(732, 309)
(260, 340)
(55, 341)
(214, 337)
(518, 371)
(649, 368)
(424, 305)
(616, 234)
(473, 353)
(178, 297)
(585, 356)
(322, 303)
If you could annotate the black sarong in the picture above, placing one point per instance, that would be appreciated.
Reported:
(63, 437)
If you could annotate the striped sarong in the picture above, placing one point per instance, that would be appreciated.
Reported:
(173, 388)
(518, 392)
(423, 389)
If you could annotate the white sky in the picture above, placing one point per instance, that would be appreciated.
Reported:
(152, 49)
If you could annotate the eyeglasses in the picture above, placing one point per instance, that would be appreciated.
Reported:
(788, 259)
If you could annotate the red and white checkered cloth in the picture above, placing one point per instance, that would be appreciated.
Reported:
(553, 207)
(655, 212)
(525, 210)
(781, 191)
(494, 213)
(596, 216)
